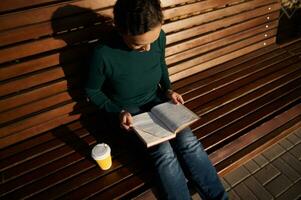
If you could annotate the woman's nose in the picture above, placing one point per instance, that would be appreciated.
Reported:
(146, 47)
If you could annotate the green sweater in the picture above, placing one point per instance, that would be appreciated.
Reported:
(120, 77)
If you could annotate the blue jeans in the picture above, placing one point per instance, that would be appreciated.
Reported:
(184, 154)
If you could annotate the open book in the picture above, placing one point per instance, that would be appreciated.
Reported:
(162, 122)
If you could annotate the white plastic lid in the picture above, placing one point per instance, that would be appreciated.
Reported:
(100, 151)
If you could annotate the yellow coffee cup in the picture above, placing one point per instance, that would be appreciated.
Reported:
(101, 153)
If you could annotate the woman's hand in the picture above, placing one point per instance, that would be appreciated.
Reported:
(175, 97)
(126, 120)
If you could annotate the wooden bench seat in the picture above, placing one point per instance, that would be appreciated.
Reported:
(222, 58)
(56, 164)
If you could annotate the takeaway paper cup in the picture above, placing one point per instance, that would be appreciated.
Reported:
(101, 153)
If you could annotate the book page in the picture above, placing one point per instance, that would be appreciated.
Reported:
(174, 116)
(151, 140)
(147, 122)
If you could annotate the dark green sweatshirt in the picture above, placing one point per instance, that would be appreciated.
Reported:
(120, 77)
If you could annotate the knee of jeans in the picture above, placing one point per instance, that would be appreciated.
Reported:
(162, 153)
(186, 139)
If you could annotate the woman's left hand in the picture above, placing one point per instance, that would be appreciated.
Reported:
(175, 97)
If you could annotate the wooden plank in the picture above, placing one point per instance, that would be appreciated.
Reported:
(239, 81)
(9, 166)
(37, 119)
(43, 62)
(40, 139)
(218, 52)
(62, 57)
(8, 5)
(237, 67)
(211, 116)
(58, 72)
(251, 57)
(21, 112)
(218, 14)
(199, 47)
(254, 135)
(221, 59)
(41, 160)
(259, 13)
(243, 77)
(47, 44)
(43, 78)
(85, 19)
(54, 174)
(244, 94)
(194, 7)
(32, 95)
(237, 127)
(45, 13)
(124, 188)
(38, 129)
(245, 25)
(32, 80)
(123, 166)
(55, 28)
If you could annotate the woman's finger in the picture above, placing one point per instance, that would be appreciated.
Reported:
(180, 99)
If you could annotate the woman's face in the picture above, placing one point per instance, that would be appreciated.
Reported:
(142, 42)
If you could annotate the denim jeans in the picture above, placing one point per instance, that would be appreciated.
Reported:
(185, 155)
(181, 158)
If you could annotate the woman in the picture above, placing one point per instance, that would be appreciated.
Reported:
(128, 75)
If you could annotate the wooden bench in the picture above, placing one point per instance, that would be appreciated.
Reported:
(222, 58)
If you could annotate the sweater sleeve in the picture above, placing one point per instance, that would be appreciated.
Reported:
(164, 82)
(94, 83)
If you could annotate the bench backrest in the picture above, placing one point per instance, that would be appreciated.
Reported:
(45, 47)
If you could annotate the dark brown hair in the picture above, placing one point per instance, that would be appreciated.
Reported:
(135, 17)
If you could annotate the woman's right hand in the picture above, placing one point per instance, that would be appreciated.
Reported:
(126, 120)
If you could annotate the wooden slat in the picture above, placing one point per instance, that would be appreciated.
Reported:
(33, 95)
(217, 14)
(268, 51)
(227, 71)
(8, 153)
(58, 171)
(62, 58)
(244, 95)
(48, 44)
(38, 129)
(198, 47)
(195, 7)
(124, 187)
(45, 13)
(224, 50)
(8, 5)
(236, 129)
(58, 176)
(85, 18)
(21, 112)
(224, 22)
(58, 72)
(172, 49)
(254, 136)
(224, 58)
(251, 74)
(207, 129)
